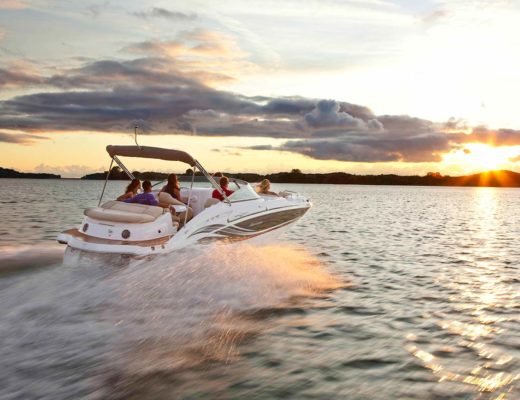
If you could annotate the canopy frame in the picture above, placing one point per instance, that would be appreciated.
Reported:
(151, 152)
(161, 154)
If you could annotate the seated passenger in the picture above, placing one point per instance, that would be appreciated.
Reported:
(172, 188)
(170, 195)
(131, 190)
(224, 182)
(146, 197)
(263, 188)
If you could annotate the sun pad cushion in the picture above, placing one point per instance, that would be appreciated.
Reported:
(117, 211)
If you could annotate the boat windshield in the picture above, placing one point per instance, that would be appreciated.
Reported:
(244, 192)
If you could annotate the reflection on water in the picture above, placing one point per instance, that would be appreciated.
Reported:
(479, 294)
(382, 293)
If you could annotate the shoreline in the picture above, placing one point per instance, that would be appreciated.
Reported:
(498, 179)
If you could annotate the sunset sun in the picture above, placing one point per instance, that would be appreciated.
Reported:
(487, 157)
(483, 157)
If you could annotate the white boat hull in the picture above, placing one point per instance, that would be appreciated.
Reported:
(259, 221)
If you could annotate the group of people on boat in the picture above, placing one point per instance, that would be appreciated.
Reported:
(170, 197)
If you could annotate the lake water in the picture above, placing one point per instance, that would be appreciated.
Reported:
(378, 293)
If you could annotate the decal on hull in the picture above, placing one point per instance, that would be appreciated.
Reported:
(251, 227)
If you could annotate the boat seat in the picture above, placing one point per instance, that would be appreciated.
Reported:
(211, 202)
(197, 199)
(117, 211)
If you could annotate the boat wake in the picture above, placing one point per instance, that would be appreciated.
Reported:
(180, 312)
(19, 258)
(122, 327)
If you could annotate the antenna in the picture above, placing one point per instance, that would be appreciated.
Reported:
(135, 136)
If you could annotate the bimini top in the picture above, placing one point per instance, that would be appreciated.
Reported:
(151, 152)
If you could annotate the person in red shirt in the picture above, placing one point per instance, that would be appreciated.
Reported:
(224, 182)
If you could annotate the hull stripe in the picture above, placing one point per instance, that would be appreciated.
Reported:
(251, 227)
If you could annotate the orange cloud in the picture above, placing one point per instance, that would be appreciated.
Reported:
(20, 137)
(210, 56)
(12, 4)
(191, 43)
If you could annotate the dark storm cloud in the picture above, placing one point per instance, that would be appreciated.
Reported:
(157, 12)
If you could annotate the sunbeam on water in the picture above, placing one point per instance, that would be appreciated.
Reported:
(104, 325)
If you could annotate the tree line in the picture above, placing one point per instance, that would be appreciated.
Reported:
(492, 178)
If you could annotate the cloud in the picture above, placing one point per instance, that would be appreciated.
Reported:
(334, 136)
(388, 146)
(11, 78)
(67, 171)
(21, 73)
(434, 17)
(497, 137)
(197, 42)
(228, 152)
(157, 12)
(151, 93)
(12, 4)
(327, 114)
(341, 150)
(94, 10)
(163, 94)
(262, 147)
(455, 124)
(176, 49)
(97, 74)
(287, 105)
(20, 138)
(213, 57)
(196, 57)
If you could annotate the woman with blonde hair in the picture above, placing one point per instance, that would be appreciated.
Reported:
(263, 188)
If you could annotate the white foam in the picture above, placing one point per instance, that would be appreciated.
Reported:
(14, 258)
(193, 298)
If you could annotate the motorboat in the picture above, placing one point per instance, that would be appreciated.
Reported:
(126, 228)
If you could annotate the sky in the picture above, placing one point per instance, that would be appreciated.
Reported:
(359, 86)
